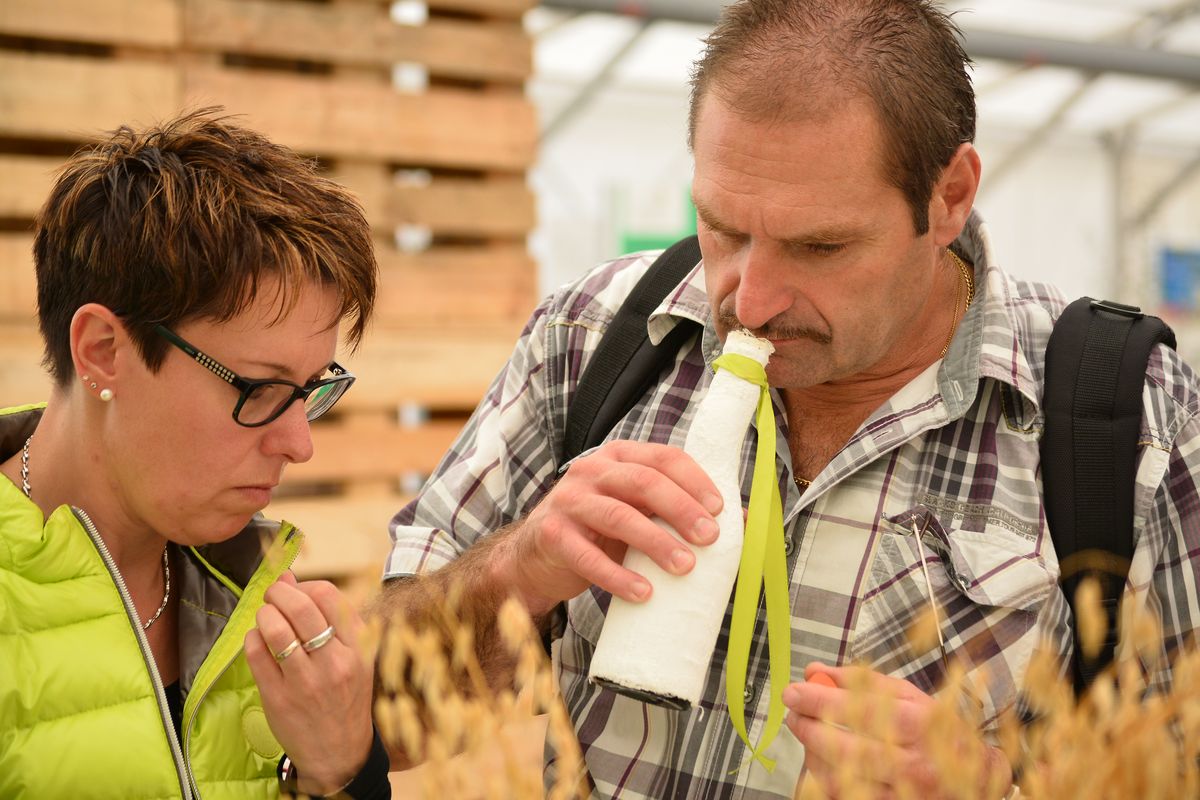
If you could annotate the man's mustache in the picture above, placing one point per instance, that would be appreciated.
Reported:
(774, 329)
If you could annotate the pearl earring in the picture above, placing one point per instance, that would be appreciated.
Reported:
(106, 394)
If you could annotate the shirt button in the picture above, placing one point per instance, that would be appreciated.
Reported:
(789, 546)
(749, 695)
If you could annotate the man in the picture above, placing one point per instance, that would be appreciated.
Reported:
(834, 183)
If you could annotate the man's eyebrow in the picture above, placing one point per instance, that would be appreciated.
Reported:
(829, 234)
(832, 234)
(710, 220)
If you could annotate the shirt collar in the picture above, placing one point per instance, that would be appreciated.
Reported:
(994, 339)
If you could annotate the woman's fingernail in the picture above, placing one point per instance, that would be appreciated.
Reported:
(641, 590)
(713, 503)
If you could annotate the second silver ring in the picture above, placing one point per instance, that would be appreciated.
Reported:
(319, 641)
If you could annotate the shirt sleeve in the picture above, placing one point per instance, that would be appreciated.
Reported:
(500, 466)
(1165, 570)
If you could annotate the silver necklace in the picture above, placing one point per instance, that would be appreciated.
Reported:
(166, 564)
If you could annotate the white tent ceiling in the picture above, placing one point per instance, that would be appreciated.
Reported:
(650, 52)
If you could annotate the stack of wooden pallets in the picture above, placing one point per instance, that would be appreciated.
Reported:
(417, 107)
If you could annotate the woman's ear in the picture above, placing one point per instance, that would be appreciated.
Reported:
(954, 195)
(96, 337)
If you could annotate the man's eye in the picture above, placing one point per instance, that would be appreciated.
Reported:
(824, 248)
(723, 236)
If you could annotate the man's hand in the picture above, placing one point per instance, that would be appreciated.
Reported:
(578, 534)
(876, 730)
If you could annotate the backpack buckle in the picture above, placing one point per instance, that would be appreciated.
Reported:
(1120, 309)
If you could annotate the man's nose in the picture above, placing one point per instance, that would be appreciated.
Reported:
(761, 294)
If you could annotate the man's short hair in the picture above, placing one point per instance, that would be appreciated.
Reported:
(187, 220)
(779, 59)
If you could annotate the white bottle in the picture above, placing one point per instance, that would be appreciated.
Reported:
(659, 651)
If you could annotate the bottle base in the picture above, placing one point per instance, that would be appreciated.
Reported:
(645, 696)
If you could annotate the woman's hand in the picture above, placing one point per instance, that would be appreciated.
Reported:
(315, 677)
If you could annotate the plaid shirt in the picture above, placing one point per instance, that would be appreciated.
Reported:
(953, 455)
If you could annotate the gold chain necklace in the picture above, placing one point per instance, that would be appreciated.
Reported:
(967, 278)
(25, 487)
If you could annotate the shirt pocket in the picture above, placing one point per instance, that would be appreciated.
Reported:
(988, 585)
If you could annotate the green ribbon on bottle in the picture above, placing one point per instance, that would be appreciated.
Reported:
(763, 564)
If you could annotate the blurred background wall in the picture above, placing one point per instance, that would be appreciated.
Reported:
(502, 148)
(419, 108)
(1089, 131)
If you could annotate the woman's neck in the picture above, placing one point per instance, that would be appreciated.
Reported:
(67, 466)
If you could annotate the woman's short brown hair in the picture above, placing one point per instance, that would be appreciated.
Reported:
(185, 220)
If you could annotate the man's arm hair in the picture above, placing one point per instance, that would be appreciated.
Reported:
(466, 593)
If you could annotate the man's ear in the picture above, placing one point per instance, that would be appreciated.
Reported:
(96, 336)
(954, 195)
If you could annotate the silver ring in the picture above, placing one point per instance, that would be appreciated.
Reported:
(287, 651)
(319, 641)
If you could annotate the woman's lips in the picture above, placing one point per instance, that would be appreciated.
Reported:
(259, 495)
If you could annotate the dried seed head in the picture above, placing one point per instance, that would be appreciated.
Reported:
(923, 633)
(516, 629)
(1091, 620)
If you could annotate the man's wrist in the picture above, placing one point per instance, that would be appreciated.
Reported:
(506, 575)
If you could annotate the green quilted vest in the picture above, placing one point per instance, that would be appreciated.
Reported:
(81, 713)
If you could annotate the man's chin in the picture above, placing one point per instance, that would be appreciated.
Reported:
(788, 374)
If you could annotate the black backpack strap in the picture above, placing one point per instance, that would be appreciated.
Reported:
(625, 363)
(1095, 374)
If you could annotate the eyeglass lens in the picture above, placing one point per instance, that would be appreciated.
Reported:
(268, 400)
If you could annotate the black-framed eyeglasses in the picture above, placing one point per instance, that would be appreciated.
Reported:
(262, 401)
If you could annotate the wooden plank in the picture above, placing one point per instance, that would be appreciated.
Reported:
(342, 536)
(22, 379)
(361, 119)
(25, 183)
(497, 9)
(447, 206)
(446, 364)
(445, 368)
(447, 372)
(18, 284)
(62, 97)
(438, 370)
(455, 285)
(440, 287)
(143, 23)
(348, 451)
(360, 34)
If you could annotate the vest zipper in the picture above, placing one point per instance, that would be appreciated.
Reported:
(147, 656)
(187, 735)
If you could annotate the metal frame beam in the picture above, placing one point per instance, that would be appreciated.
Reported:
(1019, 48)
(595, 84)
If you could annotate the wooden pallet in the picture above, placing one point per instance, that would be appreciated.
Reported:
(438, 164)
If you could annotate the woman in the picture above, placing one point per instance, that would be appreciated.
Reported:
(191, 284)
